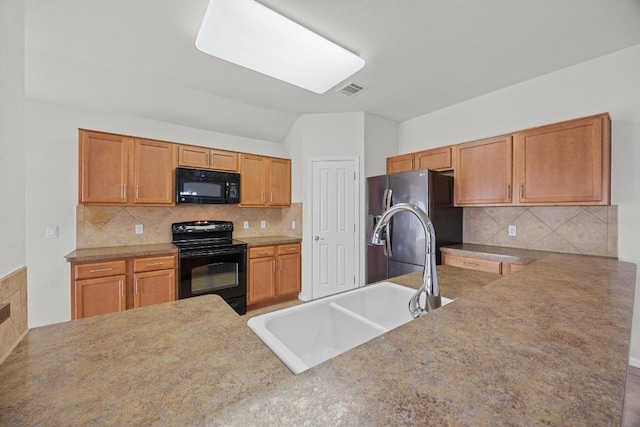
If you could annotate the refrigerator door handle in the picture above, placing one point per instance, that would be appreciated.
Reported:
(387, 231)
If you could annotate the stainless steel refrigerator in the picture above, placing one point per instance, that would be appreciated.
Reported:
(431, 192)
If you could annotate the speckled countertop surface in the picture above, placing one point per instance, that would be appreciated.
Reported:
(269, 240)
(547, 345)
(97, 254)
(495, 253)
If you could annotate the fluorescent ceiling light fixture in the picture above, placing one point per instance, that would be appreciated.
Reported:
(249, 34)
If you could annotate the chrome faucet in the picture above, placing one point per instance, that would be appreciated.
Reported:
(429, 276)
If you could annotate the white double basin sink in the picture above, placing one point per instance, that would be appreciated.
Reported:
(306, 335)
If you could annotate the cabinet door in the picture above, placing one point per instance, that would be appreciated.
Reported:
(223, 160)
(154, 287)
(262, 283)
(438, 159)
(193, 157)
(98, 296)
(103, 168)
(279, 182)
(483, 172)
(289, 274)
(566, 163)
(402, 163)
(253, 180)
(489, 266)
(153, 172)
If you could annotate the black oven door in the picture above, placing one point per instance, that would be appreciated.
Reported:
(223, 273)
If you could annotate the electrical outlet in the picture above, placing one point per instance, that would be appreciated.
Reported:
(263, 224)
(139, 228)
(245, 224)
(512, 230)
(293, 225)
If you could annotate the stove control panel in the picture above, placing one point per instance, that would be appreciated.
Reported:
(201, 226)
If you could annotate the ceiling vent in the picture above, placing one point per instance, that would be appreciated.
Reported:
(351, 89)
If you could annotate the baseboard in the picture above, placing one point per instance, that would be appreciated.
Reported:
(634, 362)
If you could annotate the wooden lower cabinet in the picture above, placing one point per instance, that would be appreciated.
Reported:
(99, 296)
(115, 285)
(489, 266)
(274, 273)
(154, 280)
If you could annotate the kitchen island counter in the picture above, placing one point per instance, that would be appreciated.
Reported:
(547, 345)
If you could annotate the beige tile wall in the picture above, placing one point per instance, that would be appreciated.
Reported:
(588, 230)
(100, 226)
(13, 290)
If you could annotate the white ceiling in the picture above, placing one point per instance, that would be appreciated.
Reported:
(138, 56)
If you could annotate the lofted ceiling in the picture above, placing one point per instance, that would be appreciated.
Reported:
(138, 57)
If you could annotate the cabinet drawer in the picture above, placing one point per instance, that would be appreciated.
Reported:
(472, 263)
(293, 248)
(154, 263)
(99, 269)
(262, 251)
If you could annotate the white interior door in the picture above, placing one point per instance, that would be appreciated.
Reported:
(334, 202)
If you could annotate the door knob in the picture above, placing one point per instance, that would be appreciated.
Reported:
(316, 238)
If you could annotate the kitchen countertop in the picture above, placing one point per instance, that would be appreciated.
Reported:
(547, 345)
(269, 240)
(495, 253)
(97, 254)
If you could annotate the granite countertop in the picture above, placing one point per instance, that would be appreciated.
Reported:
(547, 345)
(97, 254)
(495, 253)
(269, 240)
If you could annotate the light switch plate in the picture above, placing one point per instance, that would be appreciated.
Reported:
(245, 224)
(512, 230)
(139, 228)
(263, 224)
(52, 232)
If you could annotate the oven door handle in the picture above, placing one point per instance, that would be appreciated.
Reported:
(208, 252)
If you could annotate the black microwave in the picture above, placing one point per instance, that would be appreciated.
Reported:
(207, 186)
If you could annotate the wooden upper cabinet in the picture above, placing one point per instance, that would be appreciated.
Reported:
(438, 159)
(279, 182)
(153, 172)
(120, 170)
(483, 172)
(265, 181)
(564, 163)
(223, 160)
(253, 175)
(193, 157)
(207, 158)
(104, 168)
(402, 163)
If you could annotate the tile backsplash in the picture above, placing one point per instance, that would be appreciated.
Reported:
(587, 230)
(100, 226)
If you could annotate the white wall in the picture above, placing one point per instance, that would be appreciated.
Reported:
(607, 84)
(368, 137)
(321, 136)
(12, 188)
(51, 147)
(380, 142)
